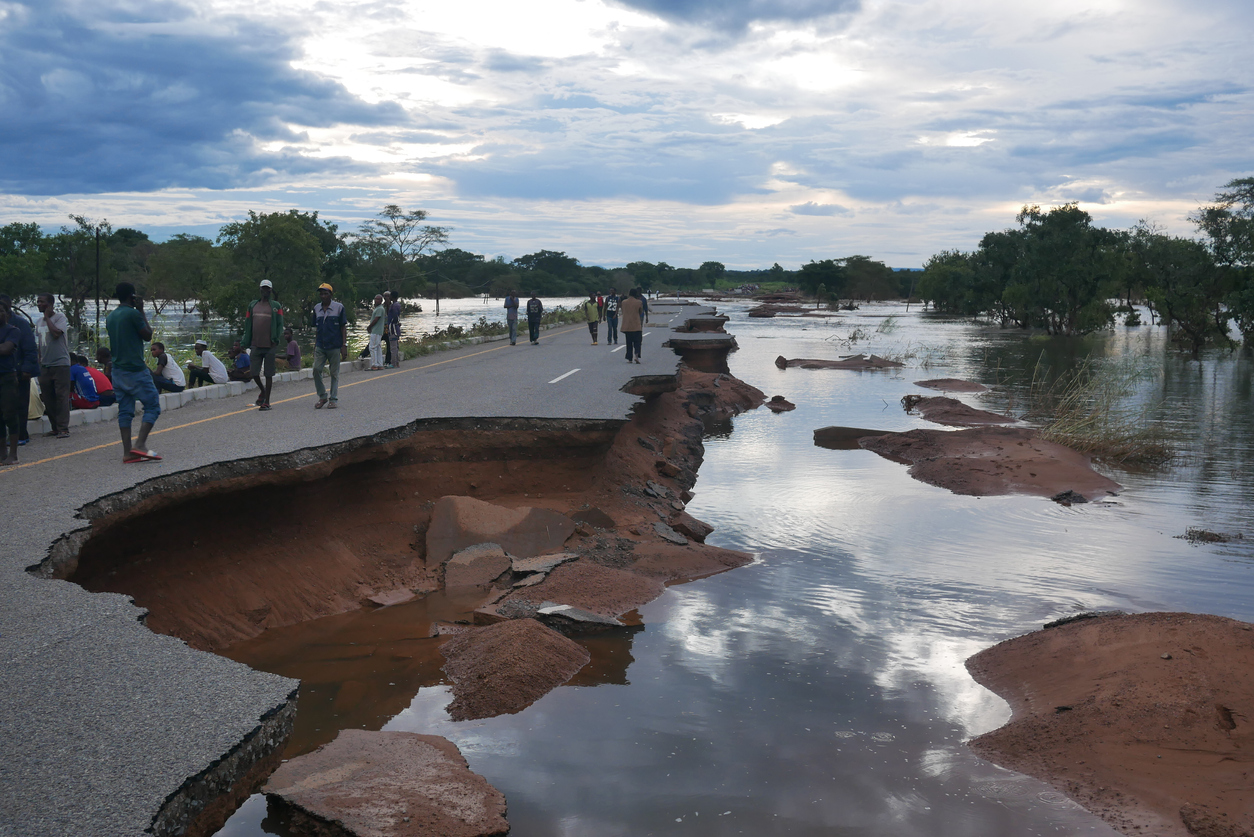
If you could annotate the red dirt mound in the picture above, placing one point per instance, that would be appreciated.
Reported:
(1146, 720)
(851, 362)
(506, 667)
(986, 461)
(952, 385)
(951, 412)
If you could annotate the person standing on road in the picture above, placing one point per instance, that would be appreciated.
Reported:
(27, 361)
(644, 302)
(600, 308)
(535, 310)
(592, 313)
(330, 344)
(511, 316)
(611, 318)
(378, 318)
(10, 341)
(263, 328)
(393, 332)
(54, 365)
(631, 310)
(132, 381)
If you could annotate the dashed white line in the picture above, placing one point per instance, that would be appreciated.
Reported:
(567, 375)
(646, 334)
(619, 348)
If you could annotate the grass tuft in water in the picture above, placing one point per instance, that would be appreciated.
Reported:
(1097, 409)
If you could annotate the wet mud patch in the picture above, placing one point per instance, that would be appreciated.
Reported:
(1147, 719)
(951, 411)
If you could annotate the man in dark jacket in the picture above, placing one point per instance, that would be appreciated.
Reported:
(535, 310)
(27, 363)
(263, 332)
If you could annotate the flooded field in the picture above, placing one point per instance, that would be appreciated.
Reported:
(821, 689)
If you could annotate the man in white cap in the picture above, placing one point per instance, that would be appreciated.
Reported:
(263, 329)
(210, 371)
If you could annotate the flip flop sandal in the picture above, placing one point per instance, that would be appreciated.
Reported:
(137, 455)
(320, 403)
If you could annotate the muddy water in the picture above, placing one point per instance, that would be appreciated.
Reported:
(821, 690)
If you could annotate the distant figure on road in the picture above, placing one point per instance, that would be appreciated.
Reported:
(54, 365)
(393, 332)
(535, 310)
(378, 319)
(263, 328)
(167, 376)
(591, 313)
(330, 344)
(611, 318)
(511, 316)
(10, 425)
(26, 361)
(644, 301)
(631, 310)
(600, 307)
(132, 381)
(293, 350)
(241, 365)
(210, 371)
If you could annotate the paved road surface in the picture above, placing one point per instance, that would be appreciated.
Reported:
(102, 720)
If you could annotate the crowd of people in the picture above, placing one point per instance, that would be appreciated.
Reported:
(36, 361)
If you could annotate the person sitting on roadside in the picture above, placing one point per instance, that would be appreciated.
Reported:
(167, 376)
(241, 364)
(210, 371)
(104, 358)
(83, 392)
(104, 386)
(293, 350)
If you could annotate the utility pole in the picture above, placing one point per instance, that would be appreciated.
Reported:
(97, 335)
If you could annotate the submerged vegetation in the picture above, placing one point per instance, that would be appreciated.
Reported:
(1098, 409)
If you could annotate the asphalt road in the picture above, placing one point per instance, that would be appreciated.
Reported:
(101, 720)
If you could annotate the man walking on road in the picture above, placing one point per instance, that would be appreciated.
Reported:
(54, 365)
(611, 318)
(330, 344)
(378, 318)
(10, 342)
(511, 316)
(535, 310)
(263, 329)
(631, 310)
(592, 313)
(393, 332)
(132, 381)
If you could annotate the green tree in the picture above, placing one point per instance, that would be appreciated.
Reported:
(187, 268)
(1185, 286)
(948, 283)
(829, 273)
(391, 244)
(1229, 224)
(23, 258)
(868, 279)
(277, 246)
(71, 269)
(1064, 272)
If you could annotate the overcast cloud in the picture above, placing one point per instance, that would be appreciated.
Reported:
(748, 132)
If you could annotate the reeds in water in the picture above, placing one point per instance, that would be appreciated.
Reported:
(1099, 409)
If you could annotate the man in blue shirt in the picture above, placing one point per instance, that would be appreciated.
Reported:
(27, 364)
(330, 344)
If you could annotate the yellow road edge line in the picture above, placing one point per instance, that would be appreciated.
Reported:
(22, 465)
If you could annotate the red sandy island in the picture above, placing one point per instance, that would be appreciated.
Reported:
(1145, 720)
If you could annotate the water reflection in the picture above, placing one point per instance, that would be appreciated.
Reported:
(821, 689)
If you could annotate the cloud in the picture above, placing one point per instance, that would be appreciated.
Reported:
(812, 208)
(735, 15)
(147, 95)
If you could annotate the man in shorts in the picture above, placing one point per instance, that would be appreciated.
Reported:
(132, 381)
(263, 331)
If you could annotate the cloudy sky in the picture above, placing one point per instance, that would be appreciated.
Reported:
(744, 131)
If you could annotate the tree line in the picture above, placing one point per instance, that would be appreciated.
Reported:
(1060, 272)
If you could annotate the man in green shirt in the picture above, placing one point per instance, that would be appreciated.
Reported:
(132, 381)
(263, 331)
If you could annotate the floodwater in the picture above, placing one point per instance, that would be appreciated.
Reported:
(821, 690)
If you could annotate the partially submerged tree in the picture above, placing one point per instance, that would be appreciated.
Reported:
(1229, 224)
(1184, 284)
(391, 245)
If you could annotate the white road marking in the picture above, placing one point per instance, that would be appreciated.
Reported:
(567, 375)
(618, 348)
(646, 334)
